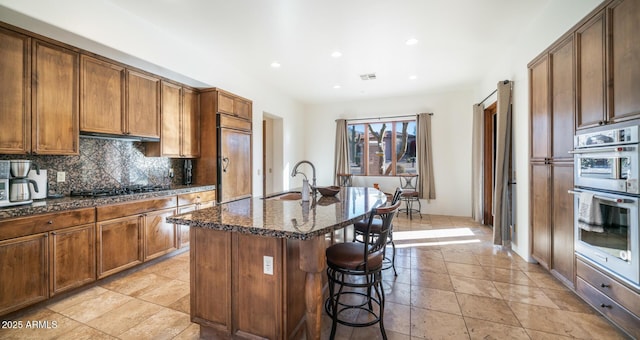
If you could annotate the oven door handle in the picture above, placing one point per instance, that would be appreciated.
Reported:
(603, 198)
(604, 149)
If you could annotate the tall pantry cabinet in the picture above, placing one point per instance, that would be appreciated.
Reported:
(552, 107)
(225, 146)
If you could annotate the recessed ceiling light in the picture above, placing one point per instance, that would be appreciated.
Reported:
(336, 86)
(413, 77)
(336, 54)
(411, 41)
(275, 64)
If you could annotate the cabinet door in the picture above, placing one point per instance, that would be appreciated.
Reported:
(102, 96)
(143, 105)
(540, 214)
(190, 128)
(226, 104)
(183, 230)
(591, 80)
(25, 276)
(235, 174)
(160, 236)
(624, 63)
(170, 137)
(562, 100)
(119, 244)
(243, 109)
(55, 127)
(563, 257)
(15, 91)
(73, 257)
(540, 116)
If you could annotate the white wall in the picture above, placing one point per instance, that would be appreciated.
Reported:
(91, 26)
(451, 127)
(554, 21)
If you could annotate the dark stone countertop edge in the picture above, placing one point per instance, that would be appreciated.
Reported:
(302, 235)
(71, 203)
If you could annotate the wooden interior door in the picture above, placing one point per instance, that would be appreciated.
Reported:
(235, 166)
(489, 161)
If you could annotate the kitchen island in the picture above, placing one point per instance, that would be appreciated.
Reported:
(257, 264)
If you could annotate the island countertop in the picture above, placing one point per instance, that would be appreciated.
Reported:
(282, 218)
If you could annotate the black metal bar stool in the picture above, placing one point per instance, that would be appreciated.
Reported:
(344, 180)
(360, 229)
(410, 194)
(358, 267)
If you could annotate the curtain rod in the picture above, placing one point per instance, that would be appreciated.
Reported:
(387, 117)
(492, 93)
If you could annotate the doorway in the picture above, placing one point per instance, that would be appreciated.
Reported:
(489, 157)
(272, 154)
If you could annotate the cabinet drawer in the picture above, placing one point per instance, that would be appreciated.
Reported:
(234, 123)
(30, 225)
(196, 197)
(134, 208)
(608, 307)
(609, 287)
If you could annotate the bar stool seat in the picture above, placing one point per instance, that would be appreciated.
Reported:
(360, 228)
(358, 268)
(349, 256)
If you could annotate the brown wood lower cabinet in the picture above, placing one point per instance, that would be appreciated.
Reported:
(613, 299)
(73, 257)
(160, 237)
(119, 244)
(231, 294)
(24, 272)
(132, 232)
(43, 255)
(192, 202)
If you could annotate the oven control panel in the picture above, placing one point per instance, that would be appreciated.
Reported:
(626, 135)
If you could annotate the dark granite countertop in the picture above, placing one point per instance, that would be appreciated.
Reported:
(69, 203)
(274, 217)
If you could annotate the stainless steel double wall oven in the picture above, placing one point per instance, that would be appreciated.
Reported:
(607, 169)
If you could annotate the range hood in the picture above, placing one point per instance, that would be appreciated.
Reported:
(84, 134)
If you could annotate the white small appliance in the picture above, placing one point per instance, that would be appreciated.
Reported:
(41, 181)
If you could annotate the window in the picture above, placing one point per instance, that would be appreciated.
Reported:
(382, 148)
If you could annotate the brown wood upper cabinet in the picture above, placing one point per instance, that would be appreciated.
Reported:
(118, 101)
(39, 92)
(234, 105)
(55, 101)
(15, 91)
(180, 137)
(608, 71)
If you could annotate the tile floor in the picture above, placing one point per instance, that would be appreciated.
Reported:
(451, 284)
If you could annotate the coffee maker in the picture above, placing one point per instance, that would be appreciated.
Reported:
(14, 184)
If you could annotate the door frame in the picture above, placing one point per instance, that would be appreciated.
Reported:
(489, 158)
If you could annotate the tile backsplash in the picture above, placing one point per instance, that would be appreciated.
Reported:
(106, 163)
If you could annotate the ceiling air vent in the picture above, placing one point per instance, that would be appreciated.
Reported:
(368, 76)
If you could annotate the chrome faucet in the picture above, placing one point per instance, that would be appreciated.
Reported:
(295, 171)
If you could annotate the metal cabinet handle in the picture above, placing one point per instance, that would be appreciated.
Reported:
(50, 222)
(605, 306)
(225, 163)
(604, 285)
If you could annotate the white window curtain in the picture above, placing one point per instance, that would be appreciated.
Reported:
(426, 183)
(477, 164)
(502, 190)
(341, 155)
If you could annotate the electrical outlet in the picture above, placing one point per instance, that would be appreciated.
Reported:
(267, 264)
(171, 174)
(62, 176)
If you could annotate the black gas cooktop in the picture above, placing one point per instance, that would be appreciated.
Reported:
(105, 192)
